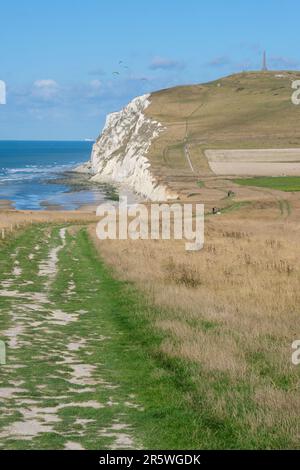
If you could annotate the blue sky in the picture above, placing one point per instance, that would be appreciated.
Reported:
(58, 57)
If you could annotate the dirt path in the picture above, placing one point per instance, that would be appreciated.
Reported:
(187, 156)
(54, 390)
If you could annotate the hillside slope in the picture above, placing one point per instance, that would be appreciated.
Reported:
(157, 143)
(247, 110)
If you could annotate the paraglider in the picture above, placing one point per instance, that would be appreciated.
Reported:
(121, 64)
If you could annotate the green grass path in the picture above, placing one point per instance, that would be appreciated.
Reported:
(81, 369)
(281, 183)
(84, 363)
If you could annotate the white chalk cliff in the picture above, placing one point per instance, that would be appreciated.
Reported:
(120, 153)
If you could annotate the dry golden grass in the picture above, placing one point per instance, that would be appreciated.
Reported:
(232, 309)
(12, 219)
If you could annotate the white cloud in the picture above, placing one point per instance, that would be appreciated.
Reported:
(96, 84)
(45, 89)
(98, 71)
(220, 61)
(281, 61)
(162, 63)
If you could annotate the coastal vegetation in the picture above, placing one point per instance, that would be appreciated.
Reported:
(283, 183)
(124, 351)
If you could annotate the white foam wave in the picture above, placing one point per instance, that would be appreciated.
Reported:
(31, 172)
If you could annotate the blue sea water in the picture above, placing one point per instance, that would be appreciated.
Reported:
(28, 167)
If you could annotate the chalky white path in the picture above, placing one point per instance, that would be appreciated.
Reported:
(36, 418)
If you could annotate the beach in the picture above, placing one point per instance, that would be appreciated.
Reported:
(41, 175)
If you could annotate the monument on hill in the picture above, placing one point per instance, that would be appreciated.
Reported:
(264, 64)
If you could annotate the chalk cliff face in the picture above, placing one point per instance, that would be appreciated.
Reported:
(120, 153)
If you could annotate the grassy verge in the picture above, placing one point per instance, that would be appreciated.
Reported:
(139, 391)
(131, 357)
(172, 392)
(229, 350)
(236, 206)
(175, 379)
(281, 183)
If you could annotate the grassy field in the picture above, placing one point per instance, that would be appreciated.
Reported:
(284, 183)
(241, 111)
(228, 316)
(146, 355)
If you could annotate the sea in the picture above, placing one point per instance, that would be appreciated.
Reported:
(37, 175)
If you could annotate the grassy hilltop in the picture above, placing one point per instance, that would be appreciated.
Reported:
(241, 111)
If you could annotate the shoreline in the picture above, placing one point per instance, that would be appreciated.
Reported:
(77, 182)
